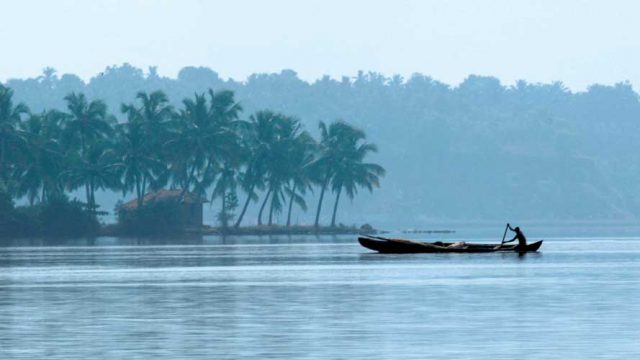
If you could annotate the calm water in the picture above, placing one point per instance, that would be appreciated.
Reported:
(318, 298)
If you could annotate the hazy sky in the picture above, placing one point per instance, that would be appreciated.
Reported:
(575, 41)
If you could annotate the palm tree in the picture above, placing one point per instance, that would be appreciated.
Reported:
(156, 116)
(351, 172)
(272, 145)
(205, 141)
(12, 140)
(339, 162)
(87, 122)
(225, 186)
(257, 135)
(98, 169)
(251, 178)
(189, 146)
(322, 166)
(226, 152)
(38, 176)
(301, 157)
(140, 142)
(279, 161)
(139, 160)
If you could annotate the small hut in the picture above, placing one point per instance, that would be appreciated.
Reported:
(191, 204)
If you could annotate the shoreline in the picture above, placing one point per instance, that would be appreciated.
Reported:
(114, 230)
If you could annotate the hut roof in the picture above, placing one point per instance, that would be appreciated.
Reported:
(160, 195)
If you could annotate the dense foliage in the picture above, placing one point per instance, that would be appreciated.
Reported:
(479, 150)
(203, 146)
(56, 218)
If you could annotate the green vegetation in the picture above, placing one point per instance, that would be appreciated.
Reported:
(475, 151)
(203, 147)
(57, 217)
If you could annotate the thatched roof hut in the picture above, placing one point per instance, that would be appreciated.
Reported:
(191, 203)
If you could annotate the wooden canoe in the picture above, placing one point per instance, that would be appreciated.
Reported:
(399, 246)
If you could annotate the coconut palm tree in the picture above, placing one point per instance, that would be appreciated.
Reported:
(204, 140)
(156, 115)
(224, 188)
(99, 169)
(86, 126)
(327, 157)
(12, 140)
(252, 175)
(273, 137)
(263, 128)
(39, 176)
(256, 135)
(140, 162)
(140, 142)
(341, 148)
(87, 122)
(302, 153)
(189, 145)
(279, 163)
(351, 173)
(226, 152)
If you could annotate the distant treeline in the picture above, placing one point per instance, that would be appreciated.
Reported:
(476, 151)
(205, 146)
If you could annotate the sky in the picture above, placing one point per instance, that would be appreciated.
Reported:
(577, 42)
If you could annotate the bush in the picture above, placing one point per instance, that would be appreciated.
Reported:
(155, 218)
(58, 217)
(8, 225)
(226, 215)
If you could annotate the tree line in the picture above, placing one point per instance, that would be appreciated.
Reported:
(204, 146)
(462, 151)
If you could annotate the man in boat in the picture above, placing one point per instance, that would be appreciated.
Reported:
(522, 240)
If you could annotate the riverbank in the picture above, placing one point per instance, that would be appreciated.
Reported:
(115, 230)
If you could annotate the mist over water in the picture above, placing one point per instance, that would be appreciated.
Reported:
(317, 298)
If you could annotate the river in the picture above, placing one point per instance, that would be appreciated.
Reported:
(317, 298)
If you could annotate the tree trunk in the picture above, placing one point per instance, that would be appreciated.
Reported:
(324, 187)
(223, 214)
(93, 196)
(293, 194)
(88, 194)
(138, 192)
(144, 186)
(271, 210)
(186, 186)
(246, 205)
(266, 197)
(335, 208)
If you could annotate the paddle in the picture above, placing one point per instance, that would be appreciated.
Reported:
(503, 236)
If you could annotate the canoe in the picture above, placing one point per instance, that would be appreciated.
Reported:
(399, 246)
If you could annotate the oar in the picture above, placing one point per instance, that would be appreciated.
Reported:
(504, 236)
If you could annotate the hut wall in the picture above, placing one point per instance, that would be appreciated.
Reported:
(192, 214)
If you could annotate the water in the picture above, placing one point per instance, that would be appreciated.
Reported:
(318, 298)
